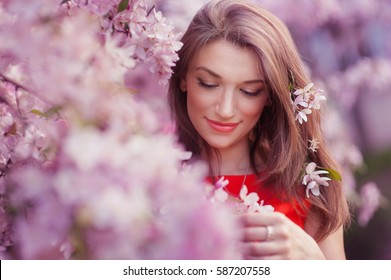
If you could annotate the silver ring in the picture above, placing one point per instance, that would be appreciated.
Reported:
(269, 233)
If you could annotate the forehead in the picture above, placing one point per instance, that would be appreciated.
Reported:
(228, 60)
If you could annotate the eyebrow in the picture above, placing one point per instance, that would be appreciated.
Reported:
(256, 81)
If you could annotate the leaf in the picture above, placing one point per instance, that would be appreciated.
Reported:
(52, 111)
(122, 5)
(37, 112)
(291, 87)
(333, 174)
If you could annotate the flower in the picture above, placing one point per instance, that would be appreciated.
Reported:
(245, 203)
(250, 200)
(221, 183)
(306, 99)
(314, 145)
(313, 179)
(218, 192)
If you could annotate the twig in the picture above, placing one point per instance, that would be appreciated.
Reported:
(22, 87)
(16, 84)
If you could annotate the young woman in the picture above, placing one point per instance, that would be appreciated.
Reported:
(243, 102)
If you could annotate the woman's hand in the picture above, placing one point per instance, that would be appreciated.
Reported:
(268, 235)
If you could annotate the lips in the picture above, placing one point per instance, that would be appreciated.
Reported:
(222, 127)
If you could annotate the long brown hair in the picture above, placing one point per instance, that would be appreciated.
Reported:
(279, 140)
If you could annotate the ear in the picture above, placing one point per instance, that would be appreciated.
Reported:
(183, 85)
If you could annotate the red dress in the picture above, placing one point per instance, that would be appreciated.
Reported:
(292, 210)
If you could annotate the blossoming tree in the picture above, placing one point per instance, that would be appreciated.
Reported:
(89, 168)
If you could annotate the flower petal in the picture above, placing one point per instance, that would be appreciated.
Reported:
(251, 198)
(315, 191)
(243, 192)
(308, 87)
(310, 167)
(221, 195)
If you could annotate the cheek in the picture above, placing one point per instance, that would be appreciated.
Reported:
(254, 109)
(198, 101)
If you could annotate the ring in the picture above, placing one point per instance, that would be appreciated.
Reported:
(269, 233)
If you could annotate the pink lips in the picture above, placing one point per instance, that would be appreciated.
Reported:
(222, 127)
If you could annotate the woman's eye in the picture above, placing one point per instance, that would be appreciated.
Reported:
(252, 93)
(206, 85)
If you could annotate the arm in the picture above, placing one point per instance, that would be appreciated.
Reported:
(286, 239)
(333, 245)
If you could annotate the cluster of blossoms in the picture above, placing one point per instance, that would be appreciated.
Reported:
(313, 179)
(305, 100)
(245, 203)
(86, 169)
(138, 28)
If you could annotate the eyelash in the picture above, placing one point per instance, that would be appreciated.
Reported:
(205, 85)
(258, 92)
(251, 94)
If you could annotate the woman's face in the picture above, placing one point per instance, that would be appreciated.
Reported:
(226, 94)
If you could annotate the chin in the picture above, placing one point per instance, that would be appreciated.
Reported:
(219, 145)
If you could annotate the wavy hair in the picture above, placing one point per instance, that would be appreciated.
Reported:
(279, 140)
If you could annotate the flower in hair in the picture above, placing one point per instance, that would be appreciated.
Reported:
(314, 145)
(312, 180)
(305, 100)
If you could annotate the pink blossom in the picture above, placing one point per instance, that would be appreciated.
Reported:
(86, 162)
(307, 99)
(312, 180)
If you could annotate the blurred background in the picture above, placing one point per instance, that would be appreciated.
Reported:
(347, 47)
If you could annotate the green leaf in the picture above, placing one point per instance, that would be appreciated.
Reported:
(333, 174)
(291, 87)
(37, 112)
(52, 111)
(122, 5)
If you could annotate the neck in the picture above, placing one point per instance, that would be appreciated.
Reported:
(231, 162)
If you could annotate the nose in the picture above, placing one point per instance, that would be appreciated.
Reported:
(226, 104)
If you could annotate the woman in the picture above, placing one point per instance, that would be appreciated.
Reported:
(243, 102)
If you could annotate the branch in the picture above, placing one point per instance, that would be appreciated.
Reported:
(22, 87)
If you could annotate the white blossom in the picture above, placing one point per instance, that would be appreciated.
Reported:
(306, 99)
(312, 180)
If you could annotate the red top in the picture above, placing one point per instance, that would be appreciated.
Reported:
(292, 210)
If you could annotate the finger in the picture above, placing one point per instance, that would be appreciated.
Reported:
(259, 249)
(261, 219)
(271, 257)
(255, 234)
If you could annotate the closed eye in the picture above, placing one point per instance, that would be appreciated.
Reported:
(252, 93)
(206, 85)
